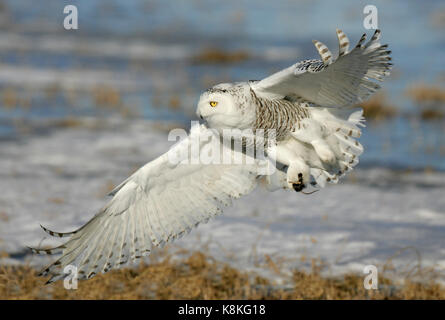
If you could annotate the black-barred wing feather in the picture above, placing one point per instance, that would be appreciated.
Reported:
(342, 82)
(160, 202)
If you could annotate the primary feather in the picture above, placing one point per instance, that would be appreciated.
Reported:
(341, 83)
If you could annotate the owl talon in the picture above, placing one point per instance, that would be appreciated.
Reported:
(299, 186)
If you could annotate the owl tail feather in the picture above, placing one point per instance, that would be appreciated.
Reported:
(342, 141)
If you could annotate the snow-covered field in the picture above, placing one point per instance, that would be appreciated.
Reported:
(376, 216)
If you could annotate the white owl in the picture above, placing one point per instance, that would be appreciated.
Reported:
(306, 105)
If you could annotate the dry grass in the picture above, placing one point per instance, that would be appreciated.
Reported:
(4, 216)
(377, 108)
(106, 97)
(68, 122)
(198, 276)
(12, 97)
(431, 100)
(102, 96)
(174, 103)
(427, 94)
(213, 55)
(9, 98)
(431, 114)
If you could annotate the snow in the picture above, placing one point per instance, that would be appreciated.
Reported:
(377, 215)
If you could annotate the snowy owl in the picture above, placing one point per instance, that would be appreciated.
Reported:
(308, 108)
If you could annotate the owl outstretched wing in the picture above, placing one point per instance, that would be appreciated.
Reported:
(161, 201)
(329, 82)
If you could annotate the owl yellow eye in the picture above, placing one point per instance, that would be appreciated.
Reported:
(213, 103)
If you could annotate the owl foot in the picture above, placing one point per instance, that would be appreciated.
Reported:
(298, 175)
(299, 186)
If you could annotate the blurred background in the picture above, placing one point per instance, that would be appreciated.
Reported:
(81, 109)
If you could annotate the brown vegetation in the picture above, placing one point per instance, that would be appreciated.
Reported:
(212, 55)
(199, 277)
(426, 94)
(431, 114)
(12, 97)
(68, 122)
(9, 98)
(431, 100)
(377, 108)
(105, 96)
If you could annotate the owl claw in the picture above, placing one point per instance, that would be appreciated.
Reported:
(299, 186)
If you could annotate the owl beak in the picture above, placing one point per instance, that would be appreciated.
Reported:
(199, 114)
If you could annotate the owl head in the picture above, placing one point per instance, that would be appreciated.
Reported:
(220, 108)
